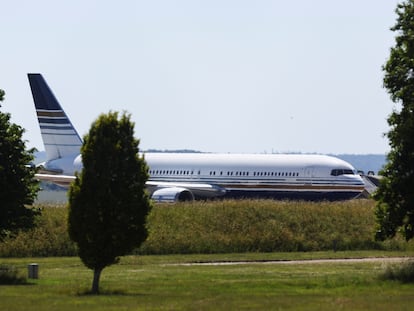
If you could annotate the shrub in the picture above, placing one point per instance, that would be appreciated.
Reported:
(10, 276)
(403, 272)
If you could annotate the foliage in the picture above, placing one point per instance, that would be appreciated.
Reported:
(1, 95)
(395, 196)
(10, 276)
(403, 272)
(108, 204)
(18, 187)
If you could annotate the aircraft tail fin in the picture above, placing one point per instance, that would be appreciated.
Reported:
(60, 138)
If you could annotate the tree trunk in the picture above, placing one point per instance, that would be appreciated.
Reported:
(95, 283)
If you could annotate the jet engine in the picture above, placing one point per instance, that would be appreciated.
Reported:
(173, 194)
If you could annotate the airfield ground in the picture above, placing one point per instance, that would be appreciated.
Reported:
(164, 283)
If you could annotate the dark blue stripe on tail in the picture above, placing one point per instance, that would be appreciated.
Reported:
(42, 94)
(54, 120)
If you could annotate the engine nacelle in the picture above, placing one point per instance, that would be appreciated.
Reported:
(173, 194)
(77, 164)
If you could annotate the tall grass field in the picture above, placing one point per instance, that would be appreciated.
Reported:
(225, 227)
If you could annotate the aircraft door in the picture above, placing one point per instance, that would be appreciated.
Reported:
(309, 173)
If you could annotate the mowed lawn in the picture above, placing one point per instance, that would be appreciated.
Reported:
(164, 283)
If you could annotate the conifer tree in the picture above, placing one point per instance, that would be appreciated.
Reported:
(108, 204)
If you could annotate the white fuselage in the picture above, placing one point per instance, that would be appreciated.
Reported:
(258, 175)
(205, 175)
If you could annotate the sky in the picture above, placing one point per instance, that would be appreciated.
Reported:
(232, 76)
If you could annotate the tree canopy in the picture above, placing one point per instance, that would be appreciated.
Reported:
(395, 195)
(108, 204)
(18, 187)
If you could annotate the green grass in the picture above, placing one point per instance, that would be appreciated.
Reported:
(233, 231)
(158, 283)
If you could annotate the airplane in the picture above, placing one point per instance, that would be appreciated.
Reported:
(191, 176)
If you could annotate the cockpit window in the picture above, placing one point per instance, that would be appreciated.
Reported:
(337, 172)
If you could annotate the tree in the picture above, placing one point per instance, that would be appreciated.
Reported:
(18, 187)
(395, 195)
(108, 204)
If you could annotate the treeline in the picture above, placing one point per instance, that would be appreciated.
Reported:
(225, 227)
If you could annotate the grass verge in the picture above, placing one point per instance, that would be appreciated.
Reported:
(157, 283)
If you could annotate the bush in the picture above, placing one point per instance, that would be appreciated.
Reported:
(10, 276)
(403, 272)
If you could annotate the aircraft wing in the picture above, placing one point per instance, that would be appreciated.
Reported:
(156, 189)
(61, 180)
(197, 189)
